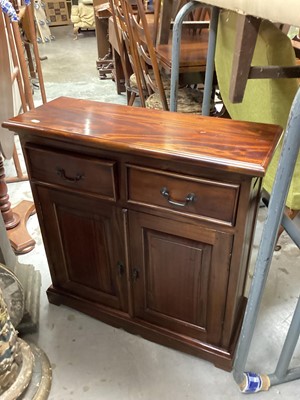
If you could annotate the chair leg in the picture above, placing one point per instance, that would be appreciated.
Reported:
(246, 35)
(291, 214)
(75, 32)
(131, 98)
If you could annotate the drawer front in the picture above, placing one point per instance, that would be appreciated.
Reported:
(180, 193)
(79, 173)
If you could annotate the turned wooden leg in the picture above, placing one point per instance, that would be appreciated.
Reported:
(15, 219)
(10, 218)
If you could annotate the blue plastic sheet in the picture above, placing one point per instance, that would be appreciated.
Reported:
(8, 9)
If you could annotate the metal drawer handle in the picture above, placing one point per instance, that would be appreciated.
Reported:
(189, 198)
(61, 172)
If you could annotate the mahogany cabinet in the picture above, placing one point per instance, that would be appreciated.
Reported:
(148, 217)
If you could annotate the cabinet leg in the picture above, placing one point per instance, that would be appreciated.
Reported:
(54, 297)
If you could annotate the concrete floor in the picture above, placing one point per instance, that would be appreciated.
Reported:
(93, 361)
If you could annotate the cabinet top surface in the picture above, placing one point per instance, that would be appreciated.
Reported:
(220, 143)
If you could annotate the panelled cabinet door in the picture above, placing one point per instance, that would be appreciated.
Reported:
(179, 275)
(84, 239)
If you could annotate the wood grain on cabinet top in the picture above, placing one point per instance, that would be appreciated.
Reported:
(235, 146)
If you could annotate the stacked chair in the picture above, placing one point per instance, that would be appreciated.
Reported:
(148, 79)
(134, 82)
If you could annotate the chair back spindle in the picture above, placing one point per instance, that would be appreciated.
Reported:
(142, 38)
(127, 51)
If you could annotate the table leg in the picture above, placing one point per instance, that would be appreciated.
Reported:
(165, 22)
(246, 35)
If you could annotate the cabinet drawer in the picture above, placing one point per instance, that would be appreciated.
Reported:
(79, 173)
(200, 197)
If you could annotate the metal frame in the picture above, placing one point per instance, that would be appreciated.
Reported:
(176, 40)
(275, 217)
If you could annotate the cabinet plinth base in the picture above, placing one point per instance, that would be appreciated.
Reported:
(221, 358)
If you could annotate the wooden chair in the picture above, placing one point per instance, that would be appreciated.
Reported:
(165, 16)
(139, 38)
(134, 81)
(189, 100)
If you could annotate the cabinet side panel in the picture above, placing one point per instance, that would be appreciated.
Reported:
(246, 222)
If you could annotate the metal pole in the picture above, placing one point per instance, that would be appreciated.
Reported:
(290, 150)
(289, 346)
(291, 228)
(176, 40)
(292, 375)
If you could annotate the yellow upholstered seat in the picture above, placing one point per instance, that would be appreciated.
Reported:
(265, 100)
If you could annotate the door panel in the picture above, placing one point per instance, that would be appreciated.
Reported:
(84, 237)
(184, 264)
(180, 277)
